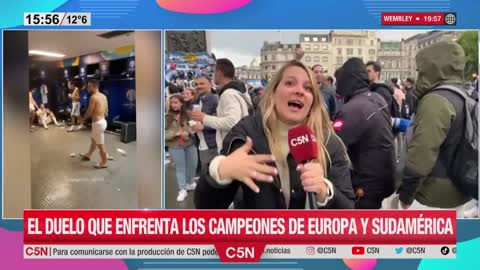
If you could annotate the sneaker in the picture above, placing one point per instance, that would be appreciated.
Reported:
(196, 178)
(471, 213)
(70, 129)
(182, 194)
(191, 186)
(80, 127)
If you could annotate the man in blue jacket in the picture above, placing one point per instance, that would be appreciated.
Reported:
(207, 136)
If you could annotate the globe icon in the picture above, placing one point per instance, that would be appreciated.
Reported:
(450, 19)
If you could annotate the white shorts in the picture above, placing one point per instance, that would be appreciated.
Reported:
(98, 131)
(75, 109)
(47, 119)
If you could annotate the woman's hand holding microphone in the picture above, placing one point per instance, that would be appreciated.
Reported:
(246, 168)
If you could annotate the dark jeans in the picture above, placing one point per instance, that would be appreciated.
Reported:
(206, 156)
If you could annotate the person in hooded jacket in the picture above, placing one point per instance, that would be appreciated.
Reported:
(233, 102)
(438, 128)
(364, 126)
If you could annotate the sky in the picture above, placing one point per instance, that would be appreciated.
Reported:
(242, 46)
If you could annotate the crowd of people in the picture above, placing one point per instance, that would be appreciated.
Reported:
(389, 145)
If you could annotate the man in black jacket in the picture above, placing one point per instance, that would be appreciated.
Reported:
(410, 99)
(365, 128)
(374, 69)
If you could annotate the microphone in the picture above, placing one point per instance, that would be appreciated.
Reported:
(303, 147)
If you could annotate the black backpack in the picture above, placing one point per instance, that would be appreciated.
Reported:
(464, 169)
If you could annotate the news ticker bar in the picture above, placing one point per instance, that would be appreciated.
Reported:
(237, 252)
(419, 18)
(139, 227)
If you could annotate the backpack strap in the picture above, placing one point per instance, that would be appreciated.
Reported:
(454, 89)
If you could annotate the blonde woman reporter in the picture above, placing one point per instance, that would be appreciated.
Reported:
(255, 154)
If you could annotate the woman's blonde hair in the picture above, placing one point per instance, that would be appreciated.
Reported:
(317, 118)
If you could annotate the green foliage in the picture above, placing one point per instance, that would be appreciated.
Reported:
(469, 43)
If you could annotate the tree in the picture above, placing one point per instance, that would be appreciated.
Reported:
(469, 43)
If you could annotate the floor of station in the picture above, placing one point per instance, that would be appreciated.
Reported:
(171, 189)
(60, 181)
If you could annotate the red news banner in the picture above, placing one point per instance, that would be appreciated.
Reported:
(232, 231)
(413, 18)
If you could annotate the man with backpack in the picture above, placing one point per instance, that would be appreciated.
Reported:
(377, 86)
(441, 168)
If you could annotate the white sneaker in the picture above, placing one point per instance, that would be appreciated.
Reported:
(471, 213)
(191, 186)
(80, 127)
(182, 194)
(70, 129)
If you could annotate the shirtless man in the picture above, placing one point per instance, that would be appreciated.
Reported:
(75, 106)
(32, 107)
(97, 109)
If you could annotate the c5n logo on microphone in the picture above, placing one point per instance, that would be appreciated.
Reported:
(302, 139)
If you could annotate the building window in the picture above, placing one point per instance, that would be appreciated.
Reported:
(349, 51)
(324, 47)
(359, 51)
(308, 47)
(350, 42)
(339, 60)
(266, 59)
(308, 59)
(338, 41)
(315, 47)
(274, 67)
(360, 42)
(339, 50)
(372, 42)
(316, 59)
(307, 39)
(371, 51)
(315, 39)
(324, 59)
(324, 39)
(273, 57)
